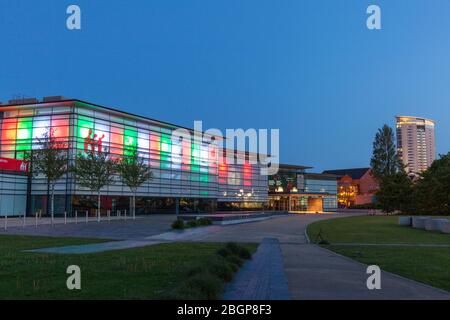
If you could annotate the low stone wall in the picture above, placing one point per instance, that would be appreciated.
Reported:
(419, 222)
(434, 224)
(445, 227)
(426, 223)
(405, 221)
(233, 216)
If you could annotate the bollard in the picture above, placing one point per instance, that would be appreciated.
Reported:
(76, 216)
(98, 215)
(6, 222)
(65, 217)
(125, 214)
(108, 212)
(35, 220)
(118, 214)
(86, 216)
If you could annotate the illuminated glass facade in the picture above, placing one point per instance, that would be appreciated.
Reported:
(187, 175)
(295, 190)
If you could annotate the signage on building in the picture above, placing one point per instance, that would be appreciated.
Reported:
(13, 165)
(93, 141)
(282, 182)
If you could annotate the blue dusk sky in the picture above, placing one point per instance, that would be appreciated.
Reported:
(310, 68)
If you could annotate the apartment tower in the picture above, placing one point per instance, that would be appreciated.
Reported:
(415, 143)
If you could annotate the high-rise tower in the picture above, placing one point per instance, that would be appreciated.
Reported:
(415, 143)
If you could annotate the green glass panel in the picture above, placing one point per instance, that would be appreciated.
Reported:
(24, 134)
(20, 155)
(195, 157)
(129, 141)
(84, 124)
(165, 149)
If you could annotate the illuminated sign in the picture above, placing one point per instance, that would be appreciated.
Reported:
(13, 165)
(89, 140)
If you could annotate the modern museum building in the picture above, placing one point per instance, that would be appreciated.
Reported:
(188, 176)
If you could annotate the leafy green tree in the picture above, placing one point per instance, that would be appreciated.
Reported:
(432, 192)
(49, 158)
(134, 172)
(94, 170)
(395, 192)
(384, 159)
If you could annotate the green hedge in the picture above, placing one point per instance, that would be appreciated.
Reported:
(205, 282)
(180, 224)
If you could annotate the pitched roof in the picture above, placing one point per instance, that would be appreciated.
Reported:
(354, 173)
(292, 167)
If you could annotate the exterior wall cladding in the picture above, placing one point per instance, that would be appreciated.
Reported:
(180, 170)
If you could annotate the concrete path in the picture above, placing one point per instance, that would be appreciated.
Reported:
(186, 234)
(171, 236)
(315, 273)
(426, 245)
(31, 221)
(140, 228)
(289, 229)
(261, 278)
(96, 247)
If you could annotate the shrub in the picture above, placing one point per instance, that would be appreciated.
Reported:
(224, 252)
(191, 224)
(200, 286)
(235, 260)
(198, 269)
(222, 269)
(204, 222)
(184, 292)
(233, 247)
(238, 250)
(244, 253)
(178, 224)
(206, 281)
(234, 267)
(364, 206)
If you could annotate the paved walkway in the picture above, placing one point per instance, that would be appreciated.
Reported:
(171, 236)
(315, 273)
(122, 229)
(427, 245)
(32, 221)
(261, 278)
(96, 247)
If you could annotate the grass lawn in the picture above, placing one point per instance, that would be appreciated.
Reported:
(430, 265)
(372, 229)
(142, 273)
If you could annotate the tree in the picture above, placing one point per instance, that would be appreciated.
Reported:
(347, 193)
(395, 193)
(94, 170)
(384, 159)
(432, 194)
(50, 159)
(134, 172)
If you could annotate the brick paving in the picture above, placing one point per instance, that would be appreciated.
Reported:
(262, 278)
